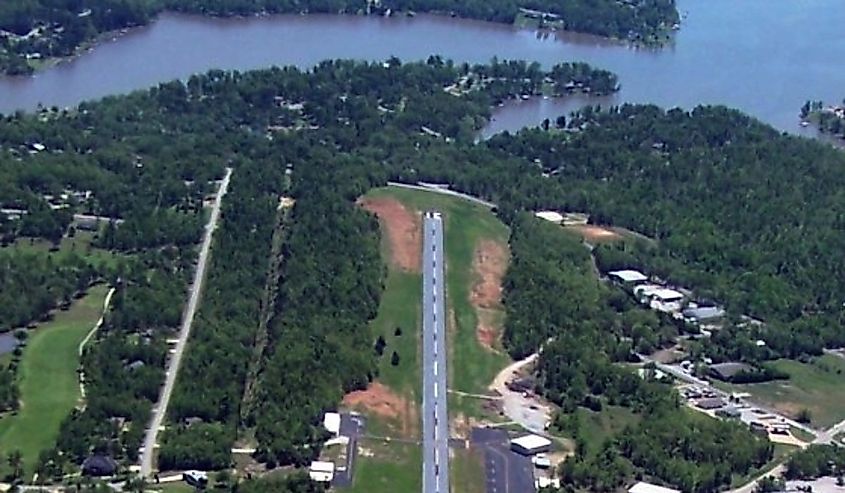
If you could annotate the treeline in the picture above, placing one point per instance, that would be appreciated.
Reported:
(206, 402)
(816, 461)
(34, 283)
(124, 366)
(508, 79)
(554, 299)
(57, 28)
(331, 283)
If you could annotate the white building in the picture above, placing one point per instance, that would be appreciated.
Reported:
(321, 472)
(331, 422)
(666, 300)
(643, 487)
(530, 445)
(628, 276)
(551, 216)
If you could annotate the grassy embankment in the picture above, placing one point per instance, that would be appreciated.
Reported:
(816, 386)
(467, 224)
(395, 466)
(48, 380)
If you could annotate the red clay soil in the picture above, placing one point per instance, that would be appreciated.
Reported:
(486, 334)
(595, 233)
(489, 262)
(377, 399)
(403, 231)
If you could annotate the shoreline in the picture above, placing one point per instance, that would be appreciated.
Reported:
(666, 36)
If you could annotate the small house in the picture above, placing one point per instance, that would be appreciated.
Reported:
(727, 371)
(627, 278)
(99, 465)
(321, 472)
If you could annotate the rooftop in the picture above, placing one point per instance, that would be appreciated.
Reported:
(628, 275)
(643, 487)
(664, 294)
(531, 442)
(555, 217)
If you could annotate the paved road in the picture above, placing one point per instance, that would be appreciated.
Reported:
(187, 320)
(351, 426)
(441, 189)
(435, 418)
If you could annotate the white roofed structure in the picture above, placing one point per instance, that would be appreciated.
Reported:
(552, 216)
(628, 276)
(331, 422)
(643, 487)
(667, 295)
(530, 444)
(321, 472)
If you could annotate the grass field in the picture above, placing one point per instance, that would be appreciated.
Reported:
(48, 380)
(596, 427)
(818, 386)
(466, 469)
(466, 225)
(387, 467)
(80, 244)
(400, 307)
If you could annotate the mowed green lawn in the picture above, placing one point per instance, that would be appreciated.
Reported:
(387, 467)
(471, 366)
(400, 307)
(48, 381)
(818, 386)
(80, 244)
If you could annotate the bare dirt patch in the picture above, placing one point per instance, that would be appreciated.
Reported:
(377, 399)
(489, 263)
(381, 401)
(403, 229)
(486, 332)
(592, 233)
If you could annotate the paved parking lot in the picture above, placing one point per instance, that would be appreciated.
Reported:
(351, 426)
(505, 471)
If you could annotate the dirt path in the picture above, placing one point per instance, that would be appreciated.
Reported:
(490, 261)
(403, 230)
(595, 234)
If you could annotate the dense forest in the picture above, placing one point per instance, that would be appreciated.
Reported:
(33, 284)
(745, 215)
(206, 402)
(32, 30)
(816, 461)
(586, 329)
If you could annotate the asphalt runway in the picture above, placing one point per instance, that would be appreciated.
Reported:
(435, 418)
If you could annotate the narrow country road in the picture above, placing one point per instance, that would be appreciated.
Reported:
(159, 412)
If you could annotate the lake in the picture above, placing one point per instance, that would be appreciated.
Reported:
(765, 57)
